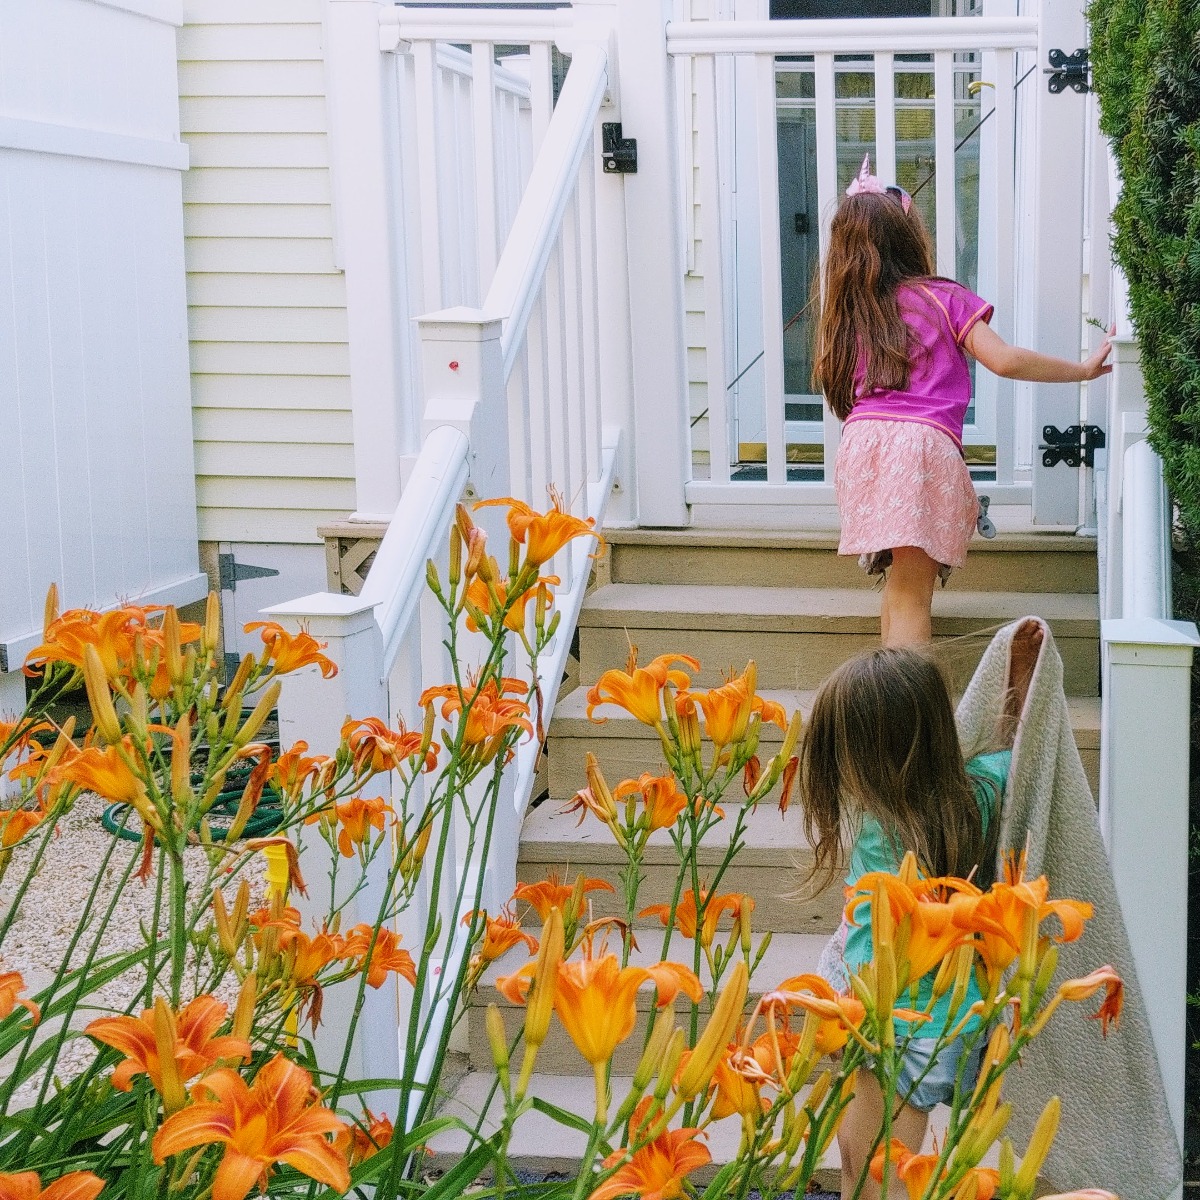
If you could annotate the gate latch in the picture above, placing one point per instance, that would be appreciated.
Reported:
(1076, 445)
(1068, 71)
(231, 571)
(619, 153)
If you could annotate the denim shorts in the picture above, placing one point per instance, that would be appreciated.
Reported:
(937, 1075)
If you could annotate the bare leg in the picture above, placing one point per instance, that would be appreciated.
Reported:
(885, 616)
(858, 1131)
(908, 597)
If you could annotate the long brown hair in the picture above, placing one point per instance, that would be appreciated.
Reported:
(882, 741)
(874, 246)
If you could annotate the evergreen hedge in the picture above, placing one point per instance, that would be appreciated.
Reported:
(1146, 70)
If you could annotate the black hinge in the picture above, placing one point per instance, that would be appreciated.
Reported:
(231, 571)
(619, 153)
(1076, 445)
(1068, 71)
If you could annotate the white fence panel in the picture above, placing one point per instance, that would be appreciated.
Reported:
(96, 485)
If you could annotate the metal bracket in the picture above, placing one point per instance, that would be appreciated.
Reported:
(1076, 445)
(231, 571)
(1068, 71)
(619, 153)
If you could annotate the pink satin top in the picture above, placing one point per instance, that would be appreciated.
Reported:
(940, 313)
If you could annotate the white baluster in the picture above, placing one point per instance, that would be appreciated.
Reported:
(943, 152)
(827, 202)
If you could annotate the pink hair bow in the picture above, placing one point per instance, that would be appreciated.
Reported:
(865, 182)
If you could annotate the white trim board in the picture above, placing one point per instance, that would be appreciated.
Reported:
(166, 12)
(183, 591)
(45, 137)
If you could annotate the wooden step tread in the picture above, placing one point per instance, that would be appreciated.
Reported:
(571, 720)
(551, 836)
(788, 539)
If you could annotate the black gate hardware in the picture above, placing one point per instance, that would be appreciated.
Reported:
(1076, 445)
(802, 223)
(231, 571)
(619, 153)
(1068, 71)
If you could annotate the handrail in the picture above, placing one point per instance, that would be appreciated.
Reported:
(896, 35)
(476, 25)
(539, 218)
(460, 63)
(1145, 536)
(397, 576)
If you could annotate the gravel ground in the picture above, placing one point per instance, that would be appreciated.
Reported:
(49, 916)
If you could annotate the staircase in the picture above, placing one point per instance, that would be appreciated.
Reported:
(787, 601)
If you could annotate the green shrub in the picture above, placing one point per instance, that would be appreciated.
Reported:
(1146, 70)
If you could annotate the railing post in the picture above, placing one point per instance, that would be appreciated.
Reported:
(1143, 795)
(662, 441)
(313, 709)
(363, 144)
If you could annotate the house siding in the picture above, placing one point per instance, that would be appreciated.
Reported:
(266, 301)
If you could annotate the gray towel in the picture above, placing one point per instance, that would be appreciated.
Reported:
(1116, 1130)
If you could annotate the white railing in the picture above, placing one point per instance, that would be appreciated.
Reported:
(511, 394)
(832, 69)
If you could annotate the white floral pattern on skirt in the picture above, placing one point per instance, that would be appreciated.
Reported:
(901, 483)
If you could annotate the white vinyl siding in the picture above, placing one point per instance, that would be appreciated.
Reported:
(266, 302)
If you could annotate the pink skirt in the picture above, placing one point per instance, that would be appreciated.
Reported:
(900, 483)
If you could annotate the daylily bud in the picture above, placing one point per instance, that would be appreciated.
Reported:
(555, 621)
(165, 1038)
(104, 714)
(243, 1014)
(722, 1025)
(964, 968)
(414, 854)
(212, 623)
(1040, 1142)
(61, 743)
(431, 577)
(50, 612)
(540, 1004)
(541, 607)
(172, 645)
(139, 711)
(1045, 975)
(599, 788)
(255, 721)
(514, 558)
(1008, 1167)
(276, 874)
(670, 1064)
(498, 1042)
(456, 549)
(661, 1034)
(181, 761)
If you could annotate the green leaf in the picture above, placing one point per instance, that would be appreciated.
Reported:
(562, 1115)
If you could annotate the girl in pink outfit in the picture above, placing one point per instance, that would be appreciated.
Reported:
(891, 358)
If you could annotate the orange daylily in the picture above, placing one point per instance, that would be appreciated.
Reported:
(479, 597)
(17, 823)
(186, 1040)
(277, 1118)
(490, 713)
(737, 1079)
(638, 690)
(543, 534)
(386, 955)
(662, 799)
(686, 913)
(357, 817)
(376, 747)
(916, 1171)
(656, 1170)
(500, 935)
(727, 709)
(287, 652)
(27, 1185)
(552, 892)
(12, 983)
(106, 772)
(294, 767)
(1110, 1008)
(837, 1013)
(360, 1142)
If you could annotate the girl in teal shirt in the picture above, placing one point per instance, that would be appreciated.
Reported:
(882, 773)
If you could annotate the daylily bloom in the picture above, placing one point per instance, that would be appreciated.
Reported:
(360, 1142)
(500, 934)
(1104, 977)
(277, 1118)
(490, 712)
(376, 747)
(657, 1170)
(638, 690)
(479, 597)
(357, 817)
(385, 956)
(737, 1079)
(11, 985)
(662, 799)
(176, 1047)
(543, 534)
(916, 1171)
(686, 913)
(287, 652)
(26, 1185)
(552, 892)
(295, 767)
(727, 709)
(837, 1013)
(16, 824)
(106, 772)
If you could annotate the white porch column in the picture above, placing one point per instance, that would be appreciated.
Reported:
(662, 438)
(12, 704)
(313, 709)
(363, 145)
(1144, 817)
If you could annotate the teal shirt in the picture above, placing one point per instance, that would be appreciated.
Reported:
(874, 851)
